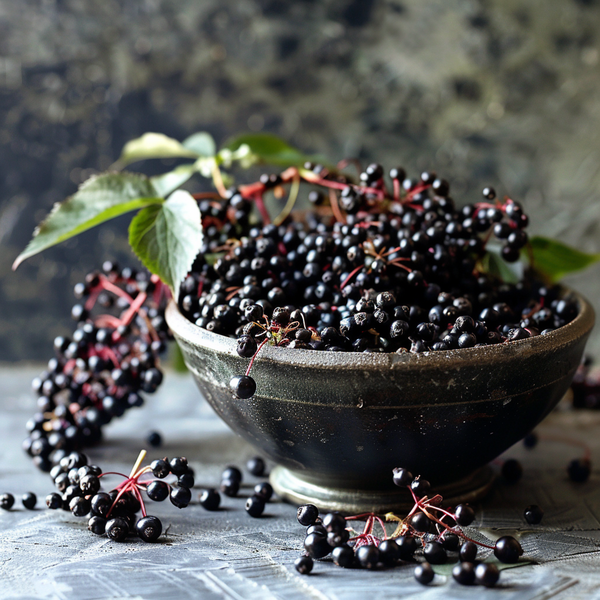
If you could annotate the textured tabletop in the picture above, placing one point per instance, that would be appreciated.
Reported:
(227, 554)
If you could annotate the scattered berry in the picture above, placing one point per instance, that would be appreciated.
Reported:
(579, 470)
(507, 549)
(29, 500)
(210, 499)
(263, 490)
(304, 565)
(464, 573)
(533, 514)
(256, 466)
(487, 574)
(154, 439)
(6, 501)
(148, 528)
(424, 573)
(307, 514)
(512, 470)
(255, 506)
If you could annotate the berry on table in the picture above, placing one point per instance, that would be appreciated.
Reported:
(255, 506)
(307, 514)
(230, 487)
(180, 496)
(512, 470)
(424, 573)
(304, 564)
(29, 500)
(157, 490)
(148, 528)
(434, 553)
(54, 501)
(210, 499)
(507, 549)
(316, 545)
(263, 490)
(256, 466)
(368, 556)
(154, 439)
(231, 473)
(343, 556)
(6, 501)
(468, 552)
(97, 525)
(117, 529)
(533, 514)
(487, 574)
(464, 573)
(579, 470)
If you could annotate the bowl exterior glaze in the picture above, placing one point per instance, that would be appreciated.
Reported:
(345, 420)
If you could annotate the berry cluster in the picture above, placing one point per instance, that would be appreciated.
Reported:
(102, 369)
(115, 512)
(231, 479)
(428, 530)
(370, 269)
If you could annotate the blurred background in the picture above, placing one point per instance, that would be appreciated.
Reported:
(485, 92)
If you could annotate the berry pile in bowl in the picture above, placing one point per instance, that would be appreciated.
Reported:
(386, 323)
(371, 329)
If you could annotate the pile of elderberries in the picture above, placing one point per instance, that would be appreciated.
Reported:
(383, 265)
(424, 537)
(106, 365)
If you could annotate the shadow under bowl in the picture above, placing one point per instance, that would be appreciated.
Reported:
(337, 423)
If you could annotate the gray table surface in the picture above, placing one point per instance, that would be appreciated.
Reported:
(227, 554)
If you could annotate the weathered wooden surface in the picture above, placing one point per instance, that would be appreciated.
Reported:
(227, 554)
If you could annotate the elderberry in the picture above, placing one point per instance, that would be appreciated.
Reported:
(507, 549)
(468, 552)
(117, 529)
(533, 514)
(210, 499)
(6, 501)
(424, 573)
(464, 573)
(255, 506)
(304, 565)
(263, 490)
(256, 466)
(579, 470)
(307, 514)
(434, 553)
(343, 556)
(368, 556)
(148, 528)
(29, 500)
(487, 574)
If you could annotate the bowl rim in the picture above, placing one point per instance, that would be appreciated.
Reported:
(580, 326)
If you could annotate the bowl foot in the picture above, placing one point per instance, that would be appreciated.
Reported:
(295, 490)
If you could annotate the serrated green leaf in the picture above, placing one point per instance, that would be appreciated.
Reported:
(201, 143)
(167, 238)
(153, 145)
(269, 148)
(169, 182)
(98, 199)
(555, 259)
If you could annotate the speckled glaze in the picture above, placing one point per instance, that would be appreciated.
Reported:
(344, 420)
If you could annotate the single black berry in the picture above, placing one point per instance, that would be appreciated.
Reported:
(421, 522)
(180, 496)
(434, 553)
(117, 529)
(420, 487)
(29, 500)
(178, 465)
(80, 506)
(97, 525)
(533, 514)
(512, 470)
(389, 553)
(507, 549)
(154, 439)
(402, 477)
(468, 552)
(232, 473)
(334, 521)
(210, 499)
(186, 480)
(487, 574)
(54, 501)
(450, 541)
(464, 515)
(263, 490)
(255, 506)
(424, 573)
(307, 514)
(89, 485)
(230, 487)
(256, 466)
(243, 386)
(158, 490)
(464, 573)
(579, 470)
(304, 565)
(101, 504)
(343, 556)
(148, 528)
(407, 546)
(7, 501)
(160, 468)
(368, 556)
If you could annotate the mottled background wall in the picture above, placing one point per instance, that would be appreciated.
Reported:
(500, 92)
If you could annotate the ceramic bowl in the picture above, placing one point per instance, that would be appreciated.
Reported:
(338, 423)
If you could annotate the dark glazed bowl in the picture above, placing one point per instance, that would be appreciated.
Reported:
(343, 421)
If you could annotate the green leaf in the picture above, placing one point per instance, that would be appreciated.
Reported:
(176, 360)
(201, 143)
(169, 182)
(555, 259)
(167, 238)
(269, 148)
(153, 145)
(98, 199)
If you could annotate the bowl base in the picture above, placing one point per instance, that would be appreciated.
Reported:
(291, 488)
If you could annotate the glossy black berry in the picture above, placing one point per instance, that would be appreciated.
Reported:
(464, 515)
(421, 522)
(389, 553)
(464, 573)
(304, 565)
(101, 504)
(487, 574)
(255, 506)
(243, 386)
(507, 549)
(424, 573)
(117, 529)
(178, 465)
(6, 501)
(402, 477)
(468, 552)
(434, 553)
(307, 514)
(512, 470)
(210, 499)
(89, 485)
(246, 346)
(54, 501)
(318, 529)
(256, 466)
(343, 556)
(407, 546)
(530, 440)
(29, 500)
(97, 525)
(160, 468)
(232, 473)
(263, 490)
(420, 487)
(368, 556)
(334, 521)
(80, 506)
(148, 528)
(154, 439)
(230, 487)
(158, 491)
(180, 496)
(579, 470)
(450, 541)
(186, 480)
